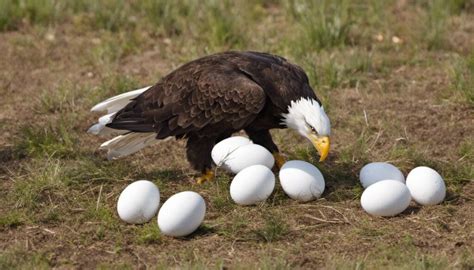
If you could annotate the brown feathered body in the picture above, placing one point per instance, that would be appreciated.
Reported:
(208, 99)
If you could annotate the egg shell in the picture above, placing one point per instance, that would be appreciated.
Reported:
(138, 202)
(246, 156)
(426, 186)
(386, 198)
(181, 214)
(301, 180)
(378, 171)
(225, 147)
(252, 185)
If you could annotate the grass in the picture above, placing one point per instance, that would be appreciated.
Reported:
(22, 259)
(14, 13)
(52, 139)
(463, 78)
(148, 234)
(323, 24)
(11, 220)
(273, 229)
(438, 14)
(409, 103)
(32, 190)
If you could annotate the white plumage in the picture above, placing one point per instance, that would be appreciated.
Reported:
(306, 113)
(116, 103)
(127, 142)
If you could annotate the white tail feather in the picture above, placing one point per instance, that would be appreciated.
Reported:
(127, 144)
(112, 105)
(116, 103)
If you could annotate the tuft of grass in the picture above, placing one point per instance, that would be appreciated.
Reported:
(221, 199)
(54, 139)
(109, 15)
(273, 229)
(148, 234)
(23, 259)
(322, 24)
(103, 214)
(38, 183)
(95, 170)
(466, 150)
(62, 99)
(223, 29)
(111, 47)
(463, 77)
(11, 220)
(336, 69)
(117, 84)
(234, 226)
(437, 22)
(15, 13)
(167, 17)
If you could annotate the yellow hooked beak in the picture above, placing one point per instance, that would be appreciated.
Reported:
(322, 144)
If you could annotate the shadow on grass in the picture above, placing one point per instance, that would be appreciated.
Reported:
(166, 176)
(342, 179)
(8, 154)
(412, 209)
(203, 230)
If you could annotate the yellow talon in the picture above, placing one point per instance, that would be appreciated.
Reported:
(207, 176)
(279, 160)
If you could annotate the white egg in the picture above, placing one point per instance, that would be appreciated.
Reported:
(378, 171)
(252, 185)
(225, 147)
(386, 198)
(138, 202)
(181, 214)
(426, 186)
(301, 180)
(246, 156)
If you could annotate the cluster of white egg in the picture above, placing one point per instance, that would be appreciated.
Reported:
(179, 216)
(387, 194)
(254, 181)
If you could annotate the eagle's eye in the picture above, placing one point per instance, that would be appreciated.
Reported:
(310, 127)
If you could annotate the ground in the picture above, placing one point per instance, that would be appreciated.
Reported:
(396, 78)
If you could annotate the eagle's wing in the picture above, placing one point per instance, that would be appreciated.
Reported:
(203, 102)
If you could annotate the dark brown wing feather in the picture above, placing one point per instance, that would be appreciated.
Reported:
(216, 93)
(205, 98)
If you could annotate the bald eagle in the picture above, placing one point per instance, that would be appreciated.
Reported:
(209, 99)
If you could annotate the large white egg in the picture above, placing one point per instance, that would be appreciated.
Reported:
(378, 171)
(181, 214)
(252, 185)
(138, 202)
(301, 180)
(386, 198)
(246, 156)
(426, 186)
(225, 147)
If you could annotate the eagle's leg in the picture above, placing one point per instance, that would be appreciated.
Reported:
(279, 160)
(198, 152)
(264, 138)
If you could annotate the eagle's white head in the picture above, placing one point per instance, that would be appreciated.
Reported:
(309, 119)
